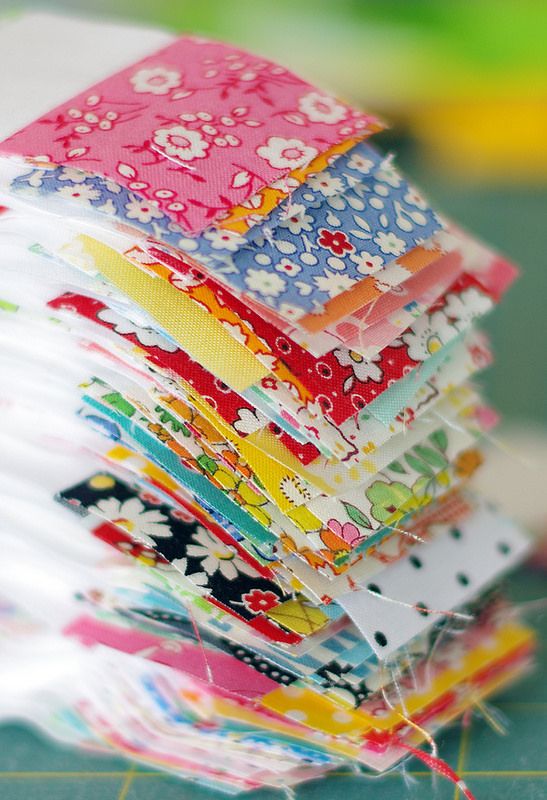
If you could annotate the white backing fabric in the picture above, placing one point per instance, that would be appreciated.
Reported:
(61, 57)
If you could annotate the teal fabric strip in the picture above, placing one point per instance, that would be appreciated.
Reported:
(193, 481)
(392, 401)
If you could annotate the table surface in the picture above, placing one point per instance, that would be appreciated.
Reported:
(495, 767)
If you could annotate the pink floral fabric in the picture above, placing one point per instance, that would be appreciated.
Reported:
(196, 128)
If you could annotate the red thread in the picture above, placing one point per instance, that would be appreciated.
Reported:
(441, 767)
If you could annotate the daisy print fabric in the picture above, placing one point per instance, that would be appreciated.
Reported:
(220, 570)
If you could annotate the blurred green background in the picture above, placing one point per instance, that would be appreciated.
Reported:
(464, 88)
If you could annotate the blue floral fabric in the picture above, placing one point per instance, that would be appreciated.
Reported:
(344, 224)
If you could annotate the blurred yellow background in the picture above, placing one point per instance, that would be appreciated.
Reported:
(463, 86)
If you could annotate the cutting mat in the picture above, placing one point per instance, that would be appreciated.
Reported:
(512, 767)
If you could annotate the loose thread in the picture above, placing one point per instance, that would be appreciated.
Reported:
(268, 235)
(450, 423)
(395, 671)
(417, 607)
(411, 535)
(408, 779)
(195, 627)
(411, 669)
(493, 718)
(508, 451)
(422, 731)
(431, 654)
(180, 164)
(498, 443)
(362, 322)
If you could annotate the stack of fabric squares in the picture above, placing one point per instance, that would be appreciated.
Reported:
(239, 420)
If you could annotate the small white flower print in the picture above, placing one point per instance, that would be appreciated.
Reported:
(463, 308)
(146, 336)
(296, 220)
(181, 143)
(72, 175)
(36, 178)
(224, 240)
(248, 421)
(475, 256)
(155, 80)
(414, 198)
(112, 186)
(267, 284)
(393, 275)
(287, 267)
(289, 311)
(389, 243)
(322, 108)
(363, 369)
(445, 240)
(132, 516)
(142, 210)
(367, 264)
(388, 174)
(360, 164)
(333, 283)
(286, 153)
(428, 335)
(325, 183)
(81, 193)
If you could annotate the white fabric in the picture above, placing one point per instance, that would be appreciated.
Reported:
(432, 576)
(47, 59)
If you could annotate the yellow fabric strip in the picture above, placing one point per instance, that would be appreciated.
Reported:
(346, 747)
(194, 328)
(205, 297)
(272, 474)
(230, 710)
(325, 714)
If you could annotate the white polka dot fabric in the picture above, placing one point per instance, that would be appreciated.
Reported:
(440, 575)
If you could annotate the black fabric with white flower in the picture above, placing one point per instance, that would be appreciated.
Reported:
(218, 569)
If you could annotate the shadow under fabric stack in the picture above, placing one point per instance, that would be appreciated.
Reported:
(238, 420)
